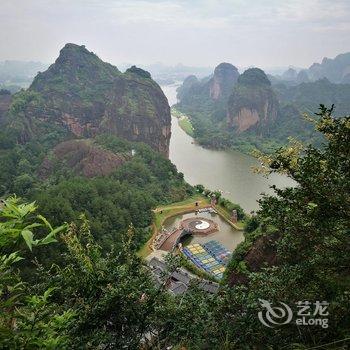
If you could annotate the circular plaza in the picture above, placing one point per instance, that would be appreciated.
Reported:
(199, 225)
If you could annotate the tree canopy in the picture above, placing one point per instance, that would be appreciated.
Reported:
(296, 248)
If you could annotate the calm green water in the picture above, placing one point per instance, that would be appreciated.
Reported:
(228, 171)
(226, 235)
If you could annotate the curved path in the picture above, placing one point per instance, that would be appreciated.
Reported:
(171, 241)
(190, 226)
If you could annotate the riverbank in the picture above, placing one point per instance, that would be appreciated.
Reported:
(183, 121)
(215, 135)
(228, 171)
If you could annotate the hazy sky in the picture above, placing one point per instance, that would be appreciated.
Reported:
(198, 32)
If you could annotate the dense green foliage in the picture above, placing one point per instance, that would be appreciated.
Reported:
(111, 203)
(311, 224)
(215, 134)
(80, 96)
(89, 300)
(253, 77)
(83, 302)
(27, 319)
(306, 229)
(78, 70)
(22, 100)
(306, 97)
(229, 206)
(138, 71)
(81, 84)
(211, 125)
(209, 117)
(224, 202)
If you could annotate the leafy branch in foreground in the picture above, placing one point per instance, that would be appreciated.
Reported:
(17, 226)
(26, 320)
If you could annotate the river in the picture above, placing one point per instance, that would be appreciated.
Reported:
(228, 171)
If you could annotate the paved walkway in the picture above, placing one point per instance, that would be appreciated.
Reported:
(201, 204)
(169, 243)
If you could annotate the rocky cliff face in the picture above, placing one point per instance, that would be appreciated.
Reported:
(88, 96)
(221, 84)
(261, 254)
(83, 158)
(253, 104)
(212, 90)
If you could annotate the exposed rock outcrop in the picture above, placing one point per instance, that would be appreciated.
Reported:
(83, 158)
(212, 90)
(88, 96)
(253, 104)
(223, 81)
(261, 254)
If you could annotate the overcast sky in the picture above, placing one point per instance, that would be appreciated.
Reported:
(263, 33)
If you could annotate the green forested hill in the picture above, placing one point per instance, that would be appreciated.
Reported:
(77, 296)
(256, 117)
(70, 277)
(111, 202)
(306, 97)
(63, 143)
(84, 96)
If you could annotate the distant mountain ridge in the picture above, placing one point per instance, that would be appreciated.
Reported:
(258, 114)
(336, 70)
(17, 71)
(241, 101)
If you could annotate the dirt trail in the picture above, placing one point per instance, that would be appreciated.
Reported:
(185, 206)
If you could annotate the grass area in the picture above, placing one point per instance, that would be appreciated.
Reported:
(163, 212)
(227, 215)
(145, 250)
(175, 113)
(189, 204)
(186, 126)
(184, 122)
